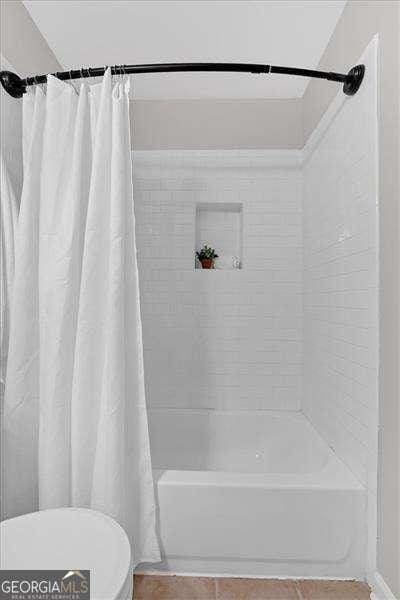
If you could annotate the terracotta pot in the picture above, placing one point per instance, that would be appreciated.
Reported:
(207, 263)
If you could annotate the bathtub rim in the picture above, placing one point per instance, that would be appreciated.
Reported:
(334, 476)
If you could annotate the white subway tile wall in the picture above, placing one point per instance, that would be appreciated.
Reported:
(341, 279)
(221, 339)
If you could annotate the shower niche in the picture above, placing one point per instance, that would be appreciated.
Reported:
(220, 225)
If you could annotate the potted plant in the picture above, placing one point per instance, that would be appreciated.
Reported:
(206, 256)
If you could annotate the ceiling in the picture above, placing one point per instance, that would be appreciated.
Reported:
(284, 32)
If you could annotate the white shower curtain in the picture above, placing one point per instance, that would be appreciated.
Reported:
(75, 415)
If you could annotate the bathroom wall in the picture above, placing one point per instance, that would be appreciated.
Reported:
(22, 44)
(217, 124)
(221, 339)
(360, 20)
(341, 283)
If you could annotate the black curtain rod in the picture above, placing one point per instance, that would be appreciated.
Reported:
(16, 87)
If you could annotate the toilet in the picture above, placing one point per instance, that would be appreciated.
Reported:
(71, 539)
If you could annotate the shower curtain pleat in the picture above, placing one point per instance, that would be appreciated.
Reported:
(67, 157)
(8, 223)
(85, 411)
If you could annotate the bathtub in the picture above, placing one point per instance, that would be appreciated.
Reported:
(253, 493)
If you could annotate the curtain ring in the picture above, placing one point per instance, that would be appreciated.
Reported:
(129, 81)
(71, 81)
(41, 85)
(82, 74)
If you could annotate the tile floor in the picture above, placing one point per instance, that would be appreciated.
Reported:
(152, 587)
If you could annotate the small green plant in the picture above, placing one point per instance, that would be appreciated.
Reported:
(206, 253)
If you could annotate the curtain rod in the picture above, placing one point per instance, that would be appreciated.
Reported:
(16, 87)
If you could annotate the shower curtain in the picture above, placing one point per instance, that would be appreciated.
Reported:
(75, 414)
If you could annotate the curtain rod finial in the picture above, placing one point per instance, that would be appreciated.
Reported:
(12, 83)
(353, 80)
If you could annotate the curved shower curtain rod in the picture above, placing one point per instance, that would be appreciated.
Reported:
(16, 87)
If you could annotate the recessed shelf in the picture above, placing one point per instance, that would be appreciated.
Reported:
(219, 225)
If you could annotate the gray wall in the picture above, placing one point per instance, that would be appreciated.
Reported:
(359, 21)
(22, 44)
(217, 124)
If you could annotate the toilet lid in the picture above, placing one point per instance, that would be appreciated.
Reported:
(70, 539)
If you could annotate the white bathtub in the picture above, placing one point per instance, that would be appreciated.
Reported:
(254, 493)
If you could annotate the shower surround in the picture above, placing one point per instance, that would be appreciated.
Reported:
(221, 339)
(341, 284)
(289, 343)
